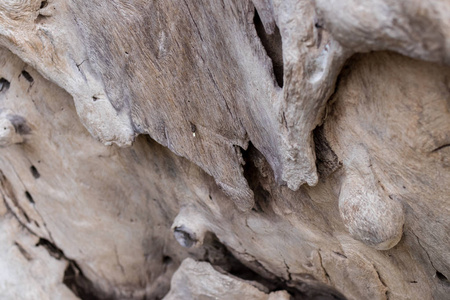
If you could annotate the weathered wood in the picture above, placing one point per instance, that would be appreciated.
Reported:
(329, 182)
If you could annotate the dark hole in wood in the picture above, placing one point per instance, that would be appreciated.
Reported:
(27, 76)
(272, 45)
(4, 84)
(219, 256)
(167, 260)
(318, 24)
(43, 4)
(253, 176)
(441, 276)
(95, 98)
(35, 172)
(75, 280)
(29, 197)
(327, 162)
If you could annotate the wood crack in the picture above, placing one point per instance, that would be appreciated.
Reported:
(193, 20)
(386, 293)
(323, 268)
(118, 260)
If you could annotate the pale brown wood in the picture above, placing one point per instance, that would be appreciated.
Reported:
(291, 146)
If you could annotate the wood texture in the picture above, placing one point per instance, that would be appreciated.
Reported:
(266, 139)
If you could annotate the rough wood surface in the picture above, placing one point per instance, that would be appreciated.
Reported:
(199, 280)
(266, 139)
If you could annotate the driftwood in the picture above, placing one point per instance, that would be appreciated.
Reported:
(268, 148)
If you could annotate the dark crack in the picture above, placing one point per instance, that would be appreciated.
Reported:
(438, 274)
(273, 46)
(193, 20)
(327, 161)
(287, 270)
(118, 260)
(253, 270)
(323, 268)
(386, 293)
(79, 284)
(441, 147)
(23, 251)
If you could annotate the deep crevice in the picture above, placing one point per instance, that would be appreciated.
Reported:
(43, 4)
(256, 169)
(51, 248)
(219, 256)
(27, 76)
(73, 276)
(327, 162)
(253, 176)
(4, 84)
(273, 46)
(78, 283)
(442, 277)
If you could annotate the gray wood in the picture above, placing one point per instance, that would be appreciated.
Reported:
(267, 139)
